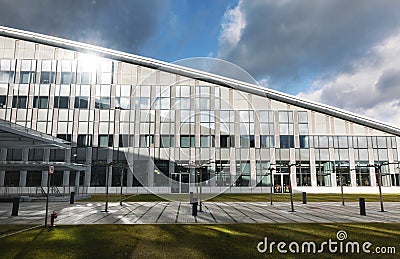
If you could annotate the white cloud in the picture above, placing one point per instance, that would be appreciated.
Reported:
(371, 89)
(233, 24)
(293, 42)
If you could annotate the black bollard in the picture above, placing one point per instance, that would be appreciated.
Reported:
(362, 206)
(72, 198)
(194, 208)
(304, 198)
(15, 206)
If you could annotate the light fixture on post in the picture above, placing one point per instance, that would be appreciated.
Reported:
(107, 183)
(341, 182)
(200, 165)
(378, 169)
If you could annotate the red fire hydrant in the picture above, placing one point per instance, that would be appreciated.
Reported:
(52, 217)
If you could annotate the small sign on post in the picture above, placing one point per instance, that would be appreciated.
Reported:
(51, 169)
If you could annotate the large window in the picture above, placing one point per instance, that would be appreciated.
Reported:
(286, 129)
(266, 141)
(3, 101)
(48, 72)
(34, 178)
(223, 173)
(102, 103)
(247, 141)
(303, 174)
(243, 174)
(11, 178)
(84, 140)
(61, 102)
(81, 102)
(342, 173)
(41, 102)
(122, 103)
(362, 174)
(187, 141)
(68, 72)
(98, 176)
(167, 141)
(263, 173)
(324, 170)
(207, 141)
(28, 72)
(227, 141)
(286, 141)
(304, 141)
(7, 68)
(303, 124)
(146, 140)
(106, 140)
(20, 102)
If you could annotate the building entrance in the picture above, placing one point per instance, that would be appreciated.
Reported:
(180, 183)
(281, 183)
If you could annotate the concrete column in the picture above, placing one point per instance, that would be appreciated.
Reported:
(313, 169)
(45, 174)
(373, 174)
(67, 159)
(22, 176)
(110, 169)
(88, 171)
(65, 181)
(77, 176)
(3, 157)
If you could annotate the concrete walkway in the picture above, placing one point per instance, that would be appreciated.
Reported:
(213, 212)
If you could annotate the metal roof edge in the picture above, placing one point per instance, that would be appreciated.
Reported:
(33, 134)
(197, 74)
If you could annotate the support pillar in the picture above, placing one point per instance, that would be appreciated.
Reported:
(23, 174)
(3, 157)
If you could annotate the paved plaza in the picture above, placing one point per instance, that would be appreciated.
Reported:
(213, 213)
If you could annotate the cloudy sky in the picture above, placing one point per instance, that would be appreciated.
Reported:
(343, 53)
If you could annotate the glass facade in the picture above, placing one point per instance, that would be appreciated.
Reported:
(175, 131)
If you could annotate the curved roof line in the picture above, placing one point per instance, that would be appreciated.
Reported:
(196, 74)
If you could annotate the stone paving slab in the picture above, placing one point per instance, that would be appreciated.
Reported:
(213, 212)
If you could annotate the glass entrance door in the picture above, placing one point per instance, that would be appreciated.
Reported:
(180, 183)
(278, 183)
(286, 183)
(281, 183)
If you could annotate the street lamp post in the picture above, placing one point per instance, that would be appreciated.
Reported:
(341, 183)
(378, 168)
(200, 166)
(201, 184)
(122, 180)
(107, 175)
(378, 175)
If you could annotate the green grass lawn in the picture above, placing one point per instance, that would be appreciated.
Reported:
(249, 197)
(185, 241)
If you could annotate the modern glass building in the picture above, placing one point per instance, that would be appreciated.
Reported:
(169, 127)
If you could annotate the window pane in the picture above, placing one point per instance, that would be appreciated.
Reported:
(304, 143)
(47, 77)
(81, 102)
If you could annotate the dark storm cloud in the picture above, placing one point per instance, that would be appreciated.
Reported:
(124, 25)
(291, 40)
